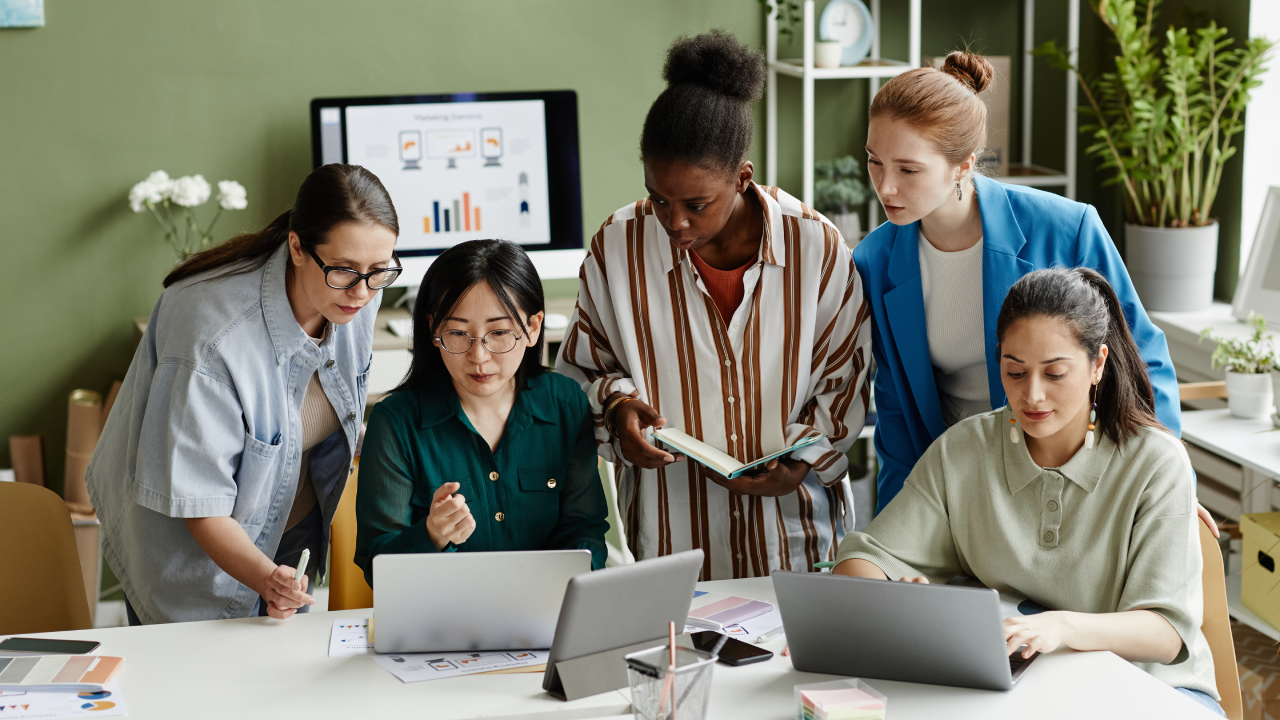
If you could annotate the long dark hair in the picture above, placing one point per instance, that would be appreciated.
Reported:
(508, 271)
(704, 116)
(1085, 302)
(331, 195)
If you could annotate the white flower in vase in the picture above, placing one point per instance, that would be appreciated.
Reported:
(159, 193)
(151, 191)
(232, 195)
(190, 190)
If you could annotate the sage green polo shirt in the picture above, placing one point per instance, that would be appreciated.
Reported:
(1114, 529)
(539, 490)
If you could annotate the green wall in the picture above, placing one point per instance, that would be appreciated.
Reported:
(110, 90)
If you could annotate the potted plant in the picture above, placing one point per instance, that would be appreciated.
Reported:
(1163, 124)
(1250, 363)
(836, 189)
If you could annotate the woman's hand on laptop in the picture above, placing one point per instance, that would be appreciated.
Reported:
(449, 520)
(1042, 632)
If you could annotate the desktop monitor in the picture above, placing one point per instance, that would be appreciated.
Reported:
(466, 166)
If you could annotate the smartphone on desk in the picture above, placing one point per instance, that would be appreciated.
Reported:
(734, 652)
(46, 646)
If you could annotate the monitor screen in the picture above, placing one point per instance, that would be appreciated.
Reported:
(464, 167)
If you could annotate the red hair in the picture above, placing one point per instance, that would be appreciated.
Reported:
(942, 104)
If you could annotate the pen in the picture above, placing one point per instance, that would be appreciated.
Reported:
(823, 565)
(302, 564)
(770, 635)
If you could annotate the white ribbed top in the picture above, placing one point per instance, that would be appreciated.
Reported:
(953, 315)
(319, 421)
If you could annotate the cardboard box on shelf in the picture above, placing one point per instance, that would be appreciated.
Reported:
(1260, 578)
(996, 157)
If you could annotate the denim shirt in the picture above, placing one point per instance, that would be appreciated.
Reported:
(208, 424)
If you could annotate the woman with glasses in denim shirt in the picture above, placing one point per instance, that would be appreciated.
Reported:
(480, 448)
(228, 449)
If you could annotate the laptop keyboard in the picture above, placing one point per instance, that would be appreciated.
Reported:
(1018, 664)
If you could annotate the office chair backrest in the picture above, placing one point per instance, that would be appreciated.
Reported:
(1216, 625)
(347, 587)
(43, 585)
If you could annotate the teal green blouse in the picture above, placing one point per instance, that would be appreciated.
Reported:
(538, 491)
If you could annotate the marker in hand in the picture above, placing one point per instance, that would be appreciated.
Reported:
(302, 564)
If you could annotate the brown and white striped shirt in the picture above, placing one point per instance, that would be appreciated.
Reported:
(792, 361)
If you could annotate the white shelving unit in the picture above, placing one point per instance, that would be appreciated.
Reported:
(875, 69)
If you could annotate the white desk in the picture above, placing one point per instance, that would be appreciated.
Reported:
(260, 668)
(1237, 461)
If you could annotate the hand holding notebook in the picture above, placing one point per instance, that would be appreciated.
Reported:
(719, 460)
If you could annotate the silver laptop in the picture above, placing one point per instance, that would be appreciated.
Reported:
(936, 634)
(621, 606)
(450, 602)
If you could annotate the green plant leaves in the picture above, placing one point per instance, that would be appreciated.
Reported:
(1164, 119)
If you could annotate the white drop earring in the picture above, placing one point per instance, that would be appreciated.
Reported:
(1013, 427)
(1089, 437)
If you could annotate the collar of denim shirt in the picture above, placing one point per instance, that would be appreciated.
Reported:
(287, 336)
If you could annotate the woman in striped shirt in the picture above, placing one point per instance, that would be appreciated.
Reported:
(732, 312)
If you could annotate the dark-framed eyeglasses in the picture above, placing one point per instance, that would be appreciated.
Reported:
(495, 341)
(341, 278)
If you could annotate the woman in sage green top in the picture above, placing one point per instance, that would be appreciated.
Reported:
(480, 449)
(1093, 518)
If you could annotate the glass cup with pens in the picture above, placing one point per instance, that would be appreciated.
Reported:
(670, 680)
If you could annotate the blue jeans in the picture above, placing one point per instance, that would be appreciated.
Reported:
(1203, 698)
(308, 533)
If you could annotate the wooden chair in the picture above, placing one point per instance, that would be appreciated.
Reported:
(1216, 625)
(43, 586)
(347, 587)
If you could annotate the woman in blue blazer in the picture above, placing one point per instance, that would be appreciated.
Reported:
(926, 129)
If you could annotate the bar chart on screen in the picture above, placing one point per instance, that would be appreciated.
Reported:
(458, 215)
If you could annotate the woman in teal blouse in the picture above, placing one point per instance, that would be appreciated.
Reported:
(480, 448)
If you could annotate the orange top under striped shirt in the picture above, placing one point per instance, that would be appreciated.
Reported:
(724, 286)
(792, 359)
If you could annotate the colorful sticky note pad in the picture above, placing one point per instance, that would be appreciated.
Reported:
(841, 704)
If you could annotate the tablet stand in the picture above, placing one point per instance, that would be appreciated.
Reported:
(600, 672)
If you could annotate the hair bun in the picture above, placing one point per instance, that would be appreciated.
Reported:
(718, 61)
(973, 70)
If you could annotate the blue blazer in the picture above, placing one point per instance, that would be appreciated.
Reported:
(1023, 229)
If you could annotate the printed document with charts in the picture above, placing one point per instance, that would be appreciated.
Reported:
(717, 459)
(350, 638)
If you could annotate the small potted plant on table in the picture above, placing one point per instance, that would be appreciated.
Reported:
(1249, 363)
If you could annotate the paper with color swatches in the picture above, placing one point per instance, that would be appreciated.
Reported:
(713, 611)
(57, 673)
(24, 705)
(841, 704)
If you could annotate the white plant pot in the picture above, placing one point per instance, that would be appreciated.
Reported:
(849, 225)
(1275, 394)
(1172, 268)
(827, 53)
(1249, 395)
